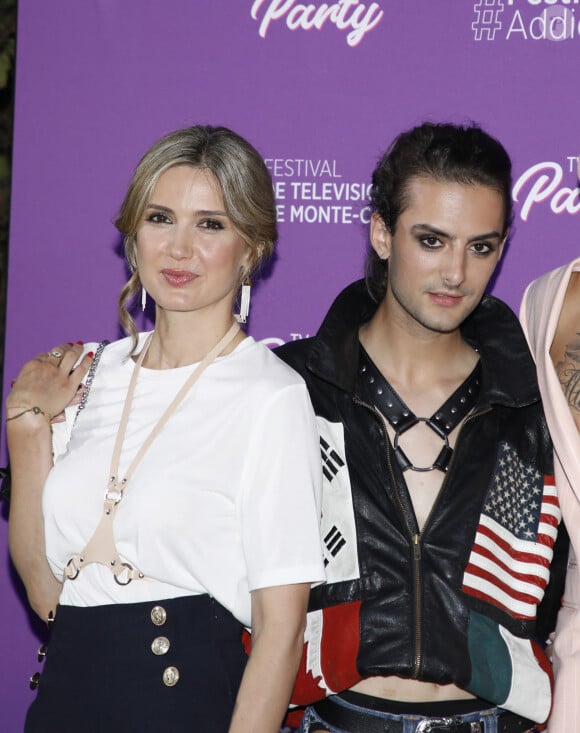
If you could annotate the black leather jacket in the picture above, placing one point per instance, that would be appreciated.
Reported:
(395, 602)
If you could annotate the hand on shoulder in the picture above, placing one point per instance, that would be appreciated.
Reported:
(47, 384)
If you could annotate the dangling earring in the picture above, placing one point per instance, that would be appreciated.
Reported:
(143, 299)
(242, 317)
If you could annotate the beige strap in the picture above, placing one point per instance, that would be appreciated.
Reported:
(101, 548)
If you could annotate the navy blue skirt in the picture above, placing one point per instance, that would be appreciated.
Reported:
(173, 665)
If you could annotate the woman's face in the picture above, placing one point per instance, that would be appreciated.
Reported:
(189, 255)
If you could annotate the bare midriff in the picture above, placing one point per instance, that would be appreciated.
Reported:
(407, 690)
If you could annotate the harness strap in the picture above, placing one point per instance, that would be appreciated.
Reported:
(101, 548)
(402, 418)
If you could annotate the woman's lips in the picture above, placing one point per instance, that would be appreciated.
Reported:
(178, 278)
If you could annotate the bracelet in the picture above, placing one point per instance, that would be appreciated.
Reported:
(36, 410)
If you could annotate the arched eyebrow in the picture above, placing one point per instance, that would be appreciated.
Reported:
(159, 207)
(199, 212)
(428, 229)
(209, 212)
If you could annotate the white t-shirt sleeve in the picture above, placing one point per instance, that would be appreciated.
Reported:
(281, 493)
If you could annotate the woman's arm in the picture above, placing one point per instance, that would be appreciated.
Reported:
(565, 349)
(44, 387)
(29, 445)
(278, 622)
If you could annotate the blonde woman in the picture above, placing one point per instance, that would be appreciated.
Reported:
(184, 502)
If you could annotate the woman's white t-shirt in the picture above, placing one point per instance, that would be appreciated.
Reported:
(225, 501)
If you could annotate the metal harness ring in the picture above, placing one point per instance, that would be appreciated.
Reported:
(436, 429)
(71, 563)
(129, 568)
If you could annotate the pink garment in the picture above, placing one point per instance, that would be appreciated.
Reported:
(540, 311)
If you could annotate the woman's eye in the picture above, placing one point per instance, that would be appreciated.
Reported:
(158, 218)
(212, 224)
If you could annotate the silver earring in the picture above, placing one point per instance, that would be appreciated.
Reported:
(143, 299)
(242, 317)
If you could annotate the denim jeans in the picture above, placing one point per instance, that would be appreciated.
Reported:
(312, 720)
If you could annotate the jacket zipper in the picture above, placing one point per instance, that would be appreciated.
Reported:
(418, 606)
(415, 536)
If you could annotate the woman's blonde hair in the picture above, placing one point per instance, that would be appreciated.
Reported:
(245, 184)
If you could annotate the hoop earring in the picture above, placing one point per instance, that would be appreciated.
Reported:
(143, 299)
(242, 316)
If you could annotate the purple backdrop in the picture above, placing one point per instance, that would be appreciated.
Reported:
(320, 89)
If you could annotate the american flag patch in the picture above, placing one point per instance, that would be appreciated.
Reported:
(510, 559)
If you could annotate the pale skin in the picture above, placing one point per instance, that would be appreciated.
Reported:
(191, 260)
(45, 382)
(445, 248)
(565, 354)
(565, 349)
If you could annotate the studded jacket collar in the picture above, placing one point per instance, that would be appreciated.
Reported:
(509, 372)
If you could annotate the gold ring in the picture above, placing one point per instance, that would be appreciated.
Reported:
(56, 353)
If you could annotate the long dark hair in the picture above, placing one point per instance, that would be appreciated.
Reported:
(445, 152)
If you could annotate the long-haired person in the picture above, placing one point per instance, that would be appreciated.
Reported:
(430, 414)
(153, 524)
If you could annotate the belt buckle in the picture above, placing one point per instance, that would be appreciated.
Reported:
(429, 724)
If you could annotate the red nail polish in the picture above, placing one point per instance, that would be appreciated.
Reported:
(69, 343)
(80, 343)
(91, 354)
(12, 383)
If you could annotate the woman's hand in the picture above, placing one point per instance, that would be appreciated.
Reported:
(49, 382)
(76, 400)
(44, 387)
